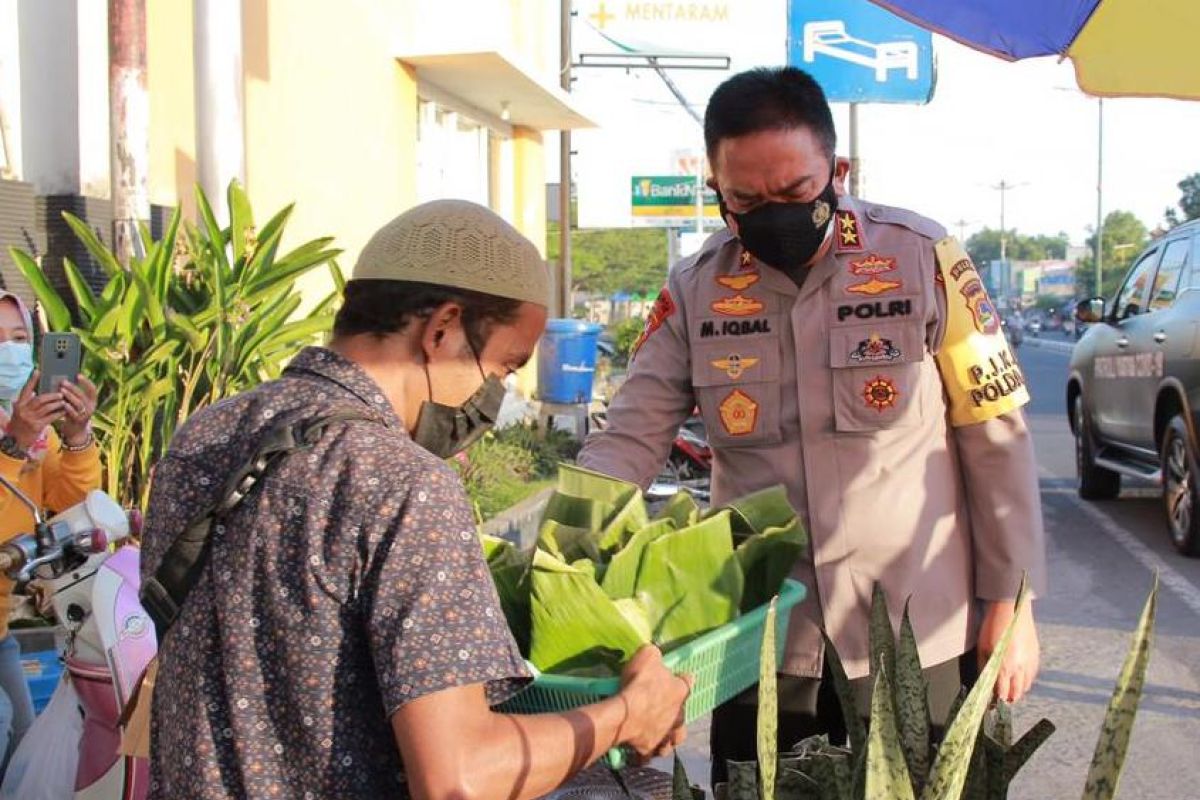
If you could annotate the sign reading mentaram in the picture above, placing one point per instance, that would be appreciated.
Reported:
(859, 52)
(669, 201)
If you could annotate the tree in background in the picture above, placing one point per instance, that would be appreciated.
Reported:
(1189, 203)
(611, 260)
(984, 246)
(1124, 237)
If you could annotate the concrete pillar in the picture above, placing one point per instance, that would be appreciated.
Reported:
(220, 99)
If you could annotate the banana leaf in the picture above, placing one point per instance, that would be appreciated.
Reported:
(567, 542)
(510, 573)
(680, 509)
(767, 558)
(620, 579)
(690, 581)
(576, 629)
(758, 511)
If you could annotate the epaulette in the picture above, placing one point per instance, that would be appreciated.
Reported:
(900, 216)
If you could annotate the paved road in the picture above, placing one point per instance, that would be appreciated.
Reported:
(1101, 561)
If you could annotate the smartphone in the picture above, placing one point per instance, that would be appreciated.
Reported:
(59, 360)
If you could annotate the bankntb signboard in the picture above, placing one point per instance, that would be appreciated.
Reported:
(859, 52)
(669, 201)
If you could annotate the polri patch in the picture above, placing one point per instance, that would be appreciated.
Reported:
(880, 393)
(849, 232)
(982, 311)
(874, 349)
(739, 413)
(737, 306)
(734, 365)
(662, 309)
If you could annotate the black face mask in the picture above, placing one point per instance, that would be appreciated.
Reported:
(786, 235)
(446, 430)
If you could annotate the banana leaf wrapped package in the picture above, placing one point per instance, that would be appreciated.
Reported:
(606, 579)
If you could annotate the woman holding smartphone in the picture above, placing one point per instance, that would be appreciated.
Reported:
(54, 468)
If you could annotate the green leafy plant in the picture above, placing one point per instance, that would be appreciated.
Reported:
(976, 760)
(207, 312)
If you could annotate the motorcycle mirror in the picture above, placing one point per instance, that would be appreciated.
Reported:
(1090, 310)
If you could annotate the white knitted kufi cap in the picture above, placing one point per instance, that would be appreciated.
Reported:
(456, 244)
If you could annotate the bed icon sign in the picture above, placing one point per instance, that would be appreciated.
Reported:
(859, 52)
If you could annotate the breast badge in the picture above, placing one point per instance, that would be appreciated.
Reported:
(874, 349)
(735, 365)
(872, 267)
(880, 393)
(739, 413)
(738, 283)
(737, 306)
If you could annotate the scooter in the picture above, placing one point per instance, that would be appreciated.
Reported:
(91, 574)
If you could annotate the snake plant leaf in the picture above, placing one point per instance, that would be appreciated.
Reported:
(681, 509)
(510, 573)
(1027, 745)
(795, 785)
(690, 581)
(743, 780)
(949, 773)
(767, 558)
(768, 708)
(887, 771)
(57, 315)
(620, 579)
(977, 782)
(681, 785)
(1105, 771)
(855, 729)
(882, 635)
(828, 766)
(1002, 728)
(575, 627)
(911, 694)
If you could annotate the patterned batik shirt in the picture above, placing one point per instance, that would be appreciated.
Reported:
(349, 582)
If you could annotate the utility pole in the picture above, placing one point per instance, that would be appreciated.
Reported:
(129, 123)
(962, 229)
(855, 159)
(220, 98)
(1004, 187)
(1099, 199)
(564, 169)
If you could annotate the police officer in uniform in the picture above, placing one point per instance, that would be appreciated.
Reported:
(848, 351)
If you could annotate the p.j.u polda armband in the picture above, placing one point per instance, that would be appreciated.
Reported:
(982, 378)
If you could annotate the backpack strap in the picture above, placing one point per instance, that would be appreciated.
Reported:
(164, 593)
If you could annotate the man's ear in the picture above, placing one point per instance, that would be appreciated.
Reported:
(443, 327)
(841, 173)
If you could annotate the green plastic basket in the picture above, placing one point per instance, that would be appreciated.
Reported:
(723, 663)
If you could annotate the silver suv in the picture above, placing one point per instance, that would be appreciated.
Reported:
(1133, 394)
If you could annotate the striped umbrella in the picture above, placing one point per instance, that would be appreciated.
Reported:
(1120, 48)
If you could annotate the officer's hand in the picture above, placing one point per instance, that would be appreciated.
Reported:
(1021, 662)
(654, 705)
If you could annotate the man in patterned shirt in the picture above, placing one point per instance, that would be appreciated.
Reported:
(345, 639)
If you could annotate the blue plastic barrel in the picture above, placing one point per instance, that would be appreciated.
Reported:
(567, 361)
(42, 671)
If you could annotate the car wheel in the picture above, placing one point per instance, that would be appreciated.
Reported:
(1179, 488)
(1093, 482)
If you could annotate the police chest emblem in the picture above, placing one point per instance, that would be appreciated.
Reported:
(880, 393)
(738, 283)
(737, 306)
(871, 268)
(739, 413)
(735, 365)
(875, 348)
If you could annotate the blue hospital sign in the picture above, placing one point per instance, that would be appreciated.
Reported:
(859, 52)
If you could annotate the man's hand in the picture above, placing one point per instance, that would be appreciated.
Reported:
(31, 413)
(654, 702)
(1021, 661)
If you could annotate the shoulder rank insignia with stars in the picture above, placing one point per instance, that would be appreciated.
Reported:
(848, 233)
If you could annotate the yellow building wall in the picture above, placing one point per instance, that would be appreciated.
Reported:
(171, 84)
(331, 121)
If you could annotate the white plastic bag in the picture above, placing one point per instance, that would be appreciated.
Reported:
(44, 765)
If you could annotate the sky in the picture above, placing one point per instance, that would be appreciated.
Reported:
(1025, 123)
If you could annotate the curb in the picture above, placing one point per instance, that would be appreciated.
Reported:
(1049, 344)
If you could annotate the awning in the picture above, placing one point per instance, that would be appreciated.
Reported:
(490, 80)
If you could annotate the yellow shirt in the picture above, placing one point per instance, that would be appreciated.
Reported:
(62, 479)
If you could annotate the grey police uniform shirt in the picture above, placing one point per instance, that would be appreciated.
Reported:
(833, 390)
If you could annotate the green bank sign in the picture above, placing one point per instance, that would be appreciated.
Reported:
(669, 201)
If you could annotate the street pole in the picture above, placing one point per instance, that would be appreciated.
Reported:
(129, 123)
(564, 169)
(1099, 199)
(855, 161)
(220, 98)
